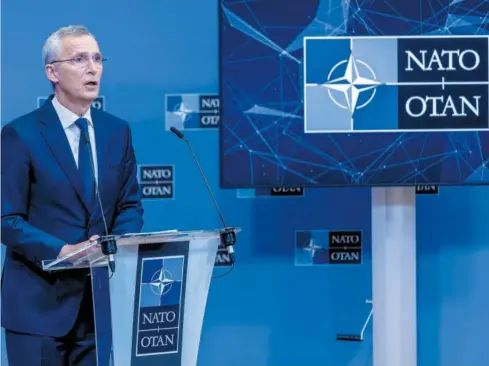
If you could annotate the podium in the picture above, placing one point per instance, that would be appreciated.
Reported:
(150, 310)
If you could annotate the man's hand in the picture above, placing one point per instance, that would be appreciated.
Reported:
(69, 248)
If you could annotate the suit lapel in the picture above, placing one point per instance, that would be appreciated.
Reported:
(55, 137)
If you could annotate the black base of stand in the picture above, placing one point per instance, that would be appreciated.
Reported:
(349, 337)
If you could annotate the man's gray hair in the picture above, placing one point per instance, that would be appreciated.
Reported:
(52, 47)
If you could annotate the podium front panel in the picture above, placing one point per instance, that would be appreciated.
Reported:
(150, 310)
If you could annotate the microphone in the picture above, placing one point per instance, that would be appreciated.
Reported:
(228, 235)
(108, 244)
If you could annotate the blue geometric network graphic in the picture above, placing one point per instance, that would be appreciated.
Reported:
(354, 93)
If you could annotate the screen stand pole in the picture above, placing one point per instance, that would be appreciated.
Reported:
(394, 276)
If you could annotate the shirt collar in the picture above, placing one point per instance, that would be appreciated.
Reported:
(67, 117)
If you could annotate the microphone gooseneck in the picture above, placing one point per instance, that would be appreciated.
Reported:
(108, 244)
(228, 235)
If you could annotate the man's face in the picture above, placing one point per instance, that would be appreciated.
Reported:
(78, 79)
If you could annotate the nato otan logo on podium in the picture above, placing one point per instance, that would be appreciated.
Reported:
(324, 247)
(156, 181)
(98, 103)
(192, 111)
(395, 84)
(160, 300)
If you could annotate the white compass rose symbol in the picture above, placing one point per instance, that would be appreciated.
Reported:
(312, 248)
(182, 111)
(161, 282)
(351, 83)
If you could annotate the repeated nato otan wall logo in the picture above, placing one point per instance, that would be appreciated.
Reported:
(223, 259)
(192, 111)
(98, 103)
(322, 247)
(156, 181)
(394, 84)
(427, 189)
(270, 192)
(160, 305)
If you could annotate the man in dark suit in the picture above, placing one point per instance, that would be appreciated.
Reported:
(50, 207)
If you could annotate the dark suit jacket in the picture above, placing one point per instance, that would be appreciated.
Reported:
(42, 209)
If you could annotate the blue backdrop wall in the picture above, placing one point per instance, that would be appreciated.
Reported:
(275, 309)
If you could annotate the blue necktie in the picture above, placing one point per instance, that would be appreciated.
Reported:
(84, 161)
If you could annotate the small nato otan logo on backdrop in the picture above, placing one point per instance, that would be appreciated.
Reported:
(427, 190)
(270, 192)
(223, 259)
(160, 306)
(98, 103)
(192, 111)
(324, 247)
(395, 84)
(156, 181)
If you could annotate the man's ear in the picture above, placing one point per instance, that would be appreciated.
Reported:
(51, 73)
